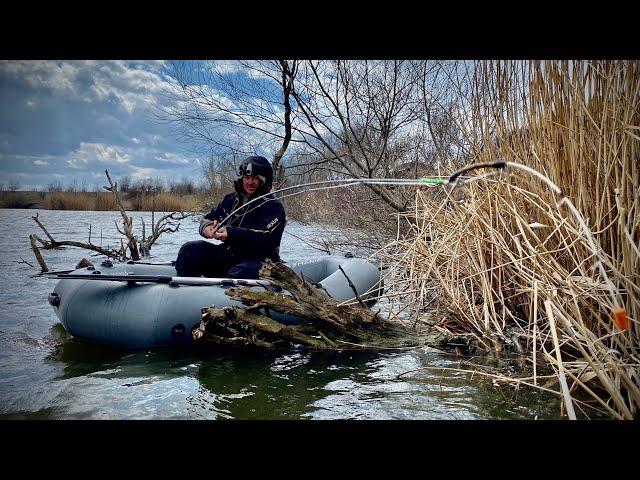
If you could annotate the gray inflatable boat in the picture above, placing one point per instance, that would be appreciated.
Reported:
(141, 305)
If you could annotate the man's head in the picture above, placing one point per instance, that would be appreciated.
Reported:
(255, 175)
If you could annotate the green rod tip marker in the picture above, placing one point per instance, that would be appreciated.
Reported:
(432, 181)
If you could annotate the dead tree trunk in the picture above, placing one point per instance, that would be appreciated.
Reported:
(36, 252)
(127, 222)
(327, 324)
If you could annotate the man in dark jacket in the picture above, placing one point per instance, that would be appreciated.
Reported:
(248, 237)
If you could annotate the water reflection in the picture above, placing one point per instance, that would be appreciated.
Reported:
(275, 385)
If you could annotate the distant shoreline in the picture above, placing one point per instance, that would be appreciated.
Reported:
(101, 201)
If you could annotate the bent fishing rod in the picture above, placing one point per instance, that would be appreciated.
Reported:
(434, 181)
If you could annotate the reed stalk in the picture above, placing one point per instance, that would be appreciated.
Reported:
(510, 256)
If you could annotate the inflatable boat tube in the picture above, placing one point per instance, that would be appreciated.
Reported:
(159, 312)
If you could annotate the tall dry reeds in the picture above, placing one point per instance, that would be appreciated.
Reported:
(165, 202)
(79, 201)
(509, 262)
(105, 201)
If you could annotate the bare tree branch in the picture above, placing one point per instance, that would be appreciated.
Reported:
(126, 220)
(36, 252)
(165, 224)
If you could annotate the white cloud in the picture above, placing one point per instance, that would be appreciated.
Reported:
(57, 76)
(77, 163)
(100, 153)
(146, 172)
(131, 84)
(32, 158)
(172, 158)
(226, 67)
(122, 158)
(254, 69)
(108, 137)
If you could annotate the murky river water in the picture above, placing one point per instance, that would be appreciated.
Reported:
(46, 374)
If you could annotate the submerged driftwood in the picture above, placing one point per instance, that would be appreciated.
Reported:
(328, 325)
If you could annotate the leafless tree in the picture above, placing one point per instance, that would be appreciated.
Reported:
(125, 183)
(73, 186)
(169, 223)
(358, 116)
(55, 186)
(243, 111)
(13, 185)
(219, 175)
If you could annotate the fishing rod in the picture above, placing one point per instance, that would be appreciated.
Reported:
(618, 311)
(166, 279)
(433, 181)
(337, 184)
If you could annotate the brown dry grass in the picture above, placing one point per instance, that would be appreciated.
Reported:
(165, 202)
(79, 201)
(507, 258)
(104, 201)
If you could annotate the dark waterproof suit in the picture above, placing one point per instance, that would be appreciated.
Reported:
(253, 234)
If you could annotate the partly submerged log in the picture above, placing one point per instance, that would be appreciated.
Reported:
(327, 324)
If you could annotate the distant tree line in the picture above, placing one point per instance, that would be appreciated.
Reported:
(131, 186)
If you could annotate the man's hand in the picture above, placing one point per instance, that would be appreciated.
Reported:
(209, 229)
(221, 234)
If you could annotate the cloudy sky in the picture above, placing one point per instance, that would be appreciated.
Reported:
(70, 120)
